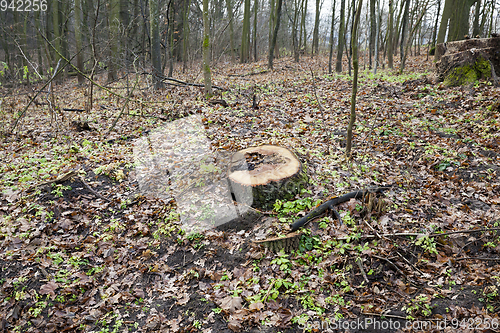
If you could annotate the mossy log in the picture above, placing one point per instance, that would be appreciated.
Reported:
(259, 176)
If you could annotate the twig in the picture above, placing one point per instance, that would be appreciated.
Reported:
(415, 234)
(386, 315)
(29, 62)
(248, 74)
(477, 258)
(124, 106)
(360, 265)
(59, 180)
(187, 83)
(393, 265)
(315, 92)
(93, 192)
(409, 263)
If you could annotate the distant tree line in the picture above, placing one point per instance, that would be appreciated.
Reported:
(165, 37)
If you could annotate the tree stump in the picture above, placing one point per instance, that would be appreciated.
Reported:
(258, 176)
(466, 61)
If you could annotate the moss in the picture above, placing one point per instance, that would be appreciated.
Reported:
(206, 42)
(483, 68)
(469, 74)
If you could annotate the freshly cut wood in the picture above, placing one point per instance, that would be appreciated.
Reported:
(259, 176)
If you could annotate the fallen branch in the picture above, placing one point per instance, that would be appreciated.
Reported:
(248, 74)
(93, 191)
(187, 83)
(58, 180)
(332, 202)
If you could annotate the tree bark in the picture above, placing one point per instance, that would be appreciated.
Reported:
(434, 31)
(332, 31)
(354, 44)
(206, 50)
(185, 33)
(315, 45)
(231, 30)
(373, 32)
(340, 46)
(390, 38)
(475, 25)
(275, 35)
(256, 12)
(114, 28)
(155, 43)
(78, 40)
(245, 36)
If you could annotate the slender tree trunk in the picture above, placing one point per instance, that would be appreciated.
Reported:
(272, 20)
(245, 36)
(377, 32)
(340, 46)
(39, 42)
(475, 25)
(170, 38)
(155, 43)
(256, 12)
(303, 26)
(316, 29)
(231, 30)
(78, 40)
(275, 35)
(390, 38)
(373, 32)
(404, 29)
(206, 51)
(56, 29)
(434, 31)
(114, 29)
(295, 42)
(490, 30)
(185, 33)
(354, 44)
(332, 31)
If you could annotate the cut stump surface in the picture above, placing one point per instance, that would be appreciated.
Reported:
(261, 175)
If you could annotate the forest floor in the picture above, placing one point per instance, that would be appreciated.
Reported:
(99, 253)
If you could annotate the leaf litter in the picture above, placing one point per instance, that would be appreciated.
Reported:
(72, 261)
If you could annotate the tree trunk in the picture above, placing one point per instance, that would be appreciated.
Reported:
(295, 42)
(155, 43)
(256, 12)
(245, 36)
(475, 25)
(434, 31)
(56, 29)
(78, 40)
(354, 44)
(303, 31)
(340, 46)
(315, 45)
(377, 27)
(459, 19)
(404, 28)
(390, 38)
(332, 31)
(114, 29)
(206, 50)
(275, 35)
(373, 32)
(490, 30)
(39, 42)
(185, 33)
(231, 30)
